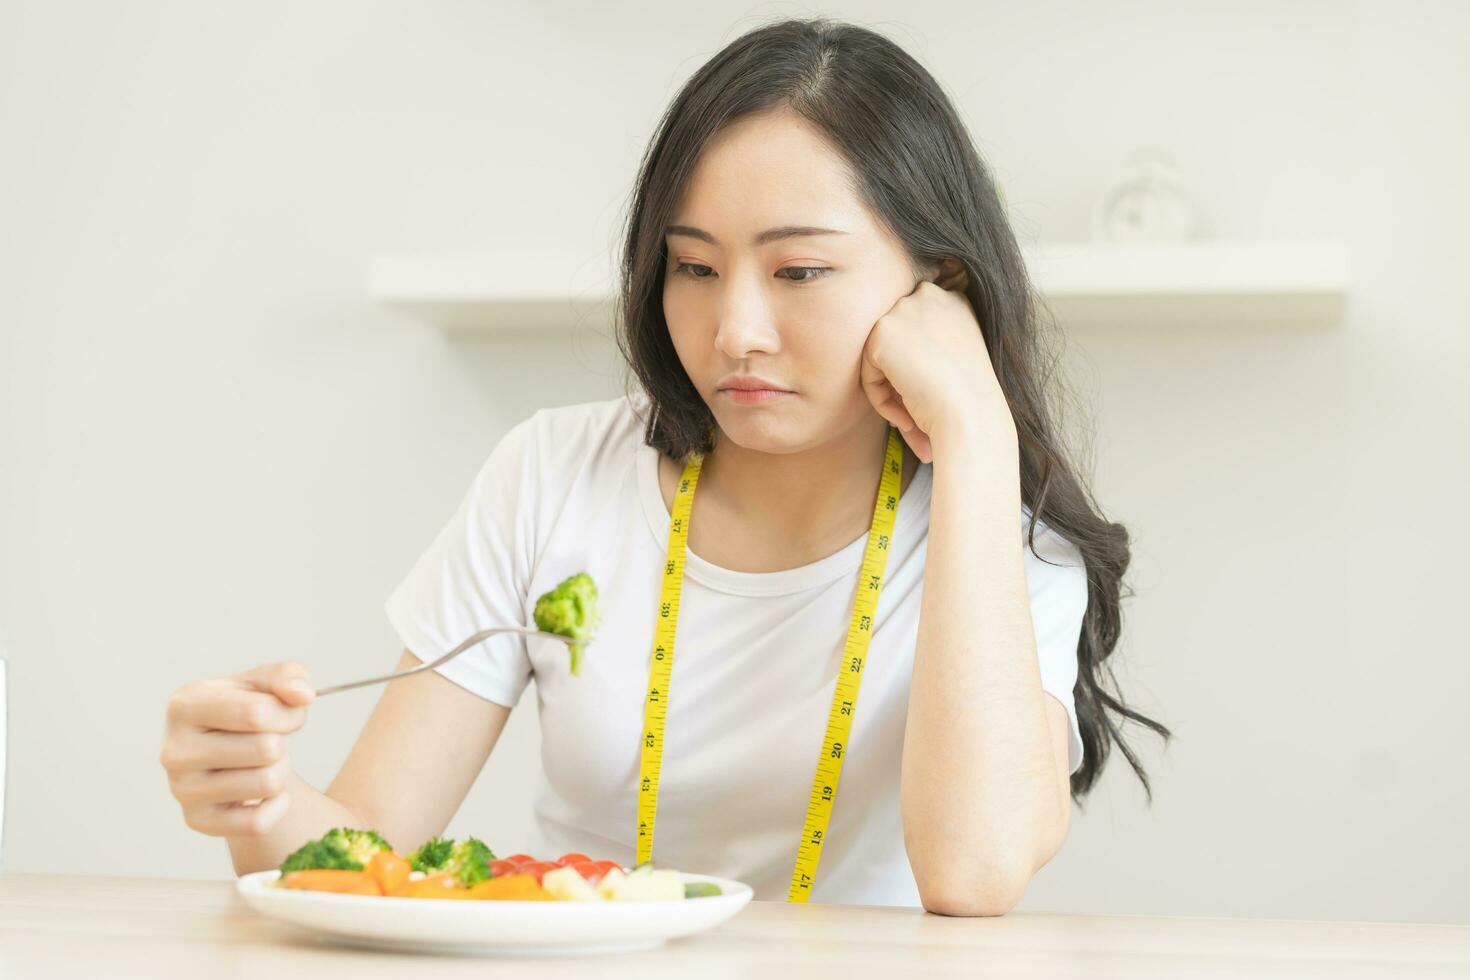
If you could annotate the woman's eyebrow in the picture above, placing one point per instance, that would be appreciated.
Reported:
(765, 237)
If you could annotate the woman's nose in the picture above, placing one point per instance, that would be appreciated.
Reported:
(746, 325)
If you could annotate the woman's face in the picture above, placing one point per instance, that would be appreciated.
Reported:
(791, 309)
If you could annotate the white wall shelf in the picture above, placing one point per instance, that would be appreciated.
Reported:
(1083, 283)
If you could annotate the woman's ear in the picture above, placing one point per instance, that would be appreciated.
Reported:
(950, 273)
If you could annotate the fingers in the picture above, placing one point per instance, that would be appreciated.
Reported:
(897, 413)
(888, 403)
(187, 751)
(201, 787)
(288, 680)
(224, 747)
(919, 443)
(226, 707)
(236, 820)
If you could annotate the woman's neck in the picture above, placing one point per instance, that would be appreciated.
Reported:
(756, 511)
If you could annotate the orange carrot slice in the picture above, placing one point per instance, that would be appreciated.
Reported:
(388, 869)
(332, 880)
(511, 888)
(434, 886)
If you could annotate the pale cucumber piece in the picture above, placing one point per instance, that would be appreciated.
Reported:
(609, 882)
(650, 886)
(701, 889)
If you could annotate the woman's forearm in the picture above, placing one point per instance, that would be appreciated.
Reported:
(978, 786)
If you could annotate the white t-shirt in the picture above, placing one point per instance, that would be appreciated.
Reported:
(575, 488)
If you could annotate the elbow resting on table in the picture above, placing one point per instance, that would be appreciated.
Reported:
(973, 897)
(990, 883)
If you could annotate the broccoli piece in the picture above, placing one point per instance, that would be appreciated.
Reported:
(570, 609)
(341, 847)
(468, 860)
(431, 855)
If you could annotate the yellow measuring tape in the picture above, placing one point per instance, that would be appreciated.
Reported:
(849, 672)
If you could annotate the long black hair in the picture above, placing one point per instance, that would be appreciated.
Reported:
(917, 170)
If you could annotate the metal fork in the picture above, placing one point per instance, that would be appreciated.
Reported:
(483, 634)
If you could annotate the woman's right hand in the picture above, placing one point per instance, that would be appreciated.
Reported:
(224, 746)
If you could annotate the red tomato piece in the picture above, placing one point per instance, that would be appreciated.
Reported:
(591, 870)
(570, 858)
(536, 869)
(502, 867)
(519, 859)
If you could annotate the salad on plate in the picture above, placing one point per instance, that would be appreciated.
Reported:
(349, 861)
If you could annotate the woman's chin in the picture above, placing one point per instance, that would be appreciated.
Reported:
(766, 433)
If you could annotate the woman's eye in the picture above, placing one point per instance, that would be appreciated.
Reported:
(805, 273)
(685, 267)
(813, 272)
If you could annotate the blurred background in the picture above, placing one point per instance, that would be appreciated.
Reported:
(218, 449)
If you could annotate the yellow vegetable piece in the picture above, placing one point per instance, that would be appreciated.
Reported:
(388, 869)
(434, 886)
(522, 888)
(332, 880)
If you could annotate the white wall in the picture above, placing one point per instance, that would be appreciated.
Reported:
(214, 452)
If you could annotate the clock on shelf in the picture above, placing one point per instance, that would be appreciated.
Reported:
(1147, 202)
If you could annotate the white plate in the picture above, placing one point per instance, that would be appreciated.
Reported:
(517, 928)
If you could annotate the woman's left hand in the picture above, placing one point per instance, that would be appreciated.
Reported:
(926, 369)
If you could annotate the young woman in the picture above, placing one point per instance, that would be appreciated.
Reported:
(838, 463)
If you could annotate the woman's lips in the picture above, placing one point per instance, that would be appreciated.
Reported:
(754, 396)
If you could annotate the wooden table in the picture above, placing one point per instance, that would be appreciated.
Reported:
(59, 926)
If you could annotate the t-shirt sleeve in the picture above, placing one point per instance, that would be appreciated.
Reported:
(1058, 602)
(475, 575)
